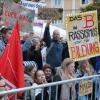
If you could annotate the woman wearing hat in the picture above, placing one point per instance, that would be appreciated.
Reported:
(29, 79)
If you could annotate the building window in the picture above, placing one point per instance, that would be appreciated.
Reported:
(84, 1)
(57, 3)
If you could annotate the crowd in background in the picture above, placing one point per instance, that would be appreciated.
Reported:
(51, 63)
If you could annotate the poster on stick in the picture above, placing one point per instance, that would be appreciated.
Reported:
(50, 13)
(83, 37)
(85, 87)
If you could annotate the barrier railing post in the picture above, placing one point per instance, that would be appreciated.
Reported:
(25, 97)
(56, 92)
(5, 97)
(15, 96)
(99, 88)
(33, 94)
(50, 93)
(42, 93)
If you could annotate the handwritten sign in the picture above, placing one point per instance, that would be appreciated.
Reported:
(86, 87)
(33, 5)
(13, 12)
(83, 38)
(49, 13)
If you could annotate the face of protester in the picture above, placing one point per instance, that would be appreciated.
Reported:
(40, 77)
(36, 44)
(32, 72)
(56, 35)
(48, 72)
(6, 36)
(2, 83)
(86, 66)
(42, 44)
(25, 37)
(30, 35)
(71, 68)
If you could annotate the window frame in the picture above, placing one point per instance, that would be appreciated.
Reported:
(85, 3)
(61, 5)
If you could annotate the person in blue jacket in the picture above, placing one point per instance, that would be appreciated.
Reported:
(98, 64)
(54, 46)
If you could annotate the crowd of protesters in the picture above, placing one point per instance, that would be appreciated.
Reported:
(54, 65)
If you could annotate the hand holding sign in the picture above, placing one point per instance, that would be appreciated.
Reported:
(48, 23)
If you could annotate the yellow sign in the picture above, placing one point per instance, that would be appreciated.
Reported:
(83, 38)
(86, 87)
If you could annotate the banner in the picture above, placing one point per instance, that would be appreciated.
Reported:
(13, 11)
(83, 38)
(33, 5)
(11, 59)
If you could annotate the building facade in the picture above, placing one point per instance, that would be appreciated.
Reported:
(69, 6)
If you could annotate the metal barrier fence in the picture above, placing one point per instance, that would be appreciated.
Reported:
(88, 88)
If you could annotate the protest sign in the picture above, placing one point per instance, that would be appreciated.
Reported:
(82, 33)
(86, 87)
(6, 85)
(50, 13)
(34, 6)
(13, 11)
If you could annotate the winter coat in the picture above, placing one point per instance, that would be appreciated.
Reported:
(28, 81)
(54, 56)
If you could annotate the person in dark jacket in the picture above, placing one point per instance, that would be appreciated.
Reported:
(40, 79)
(34, 53)
(97, 67)
(54, 47)
(55, 93)
(65, 52)
(26, 44)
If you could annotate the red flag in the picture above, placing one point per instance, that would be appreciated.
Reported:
(11, 66)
